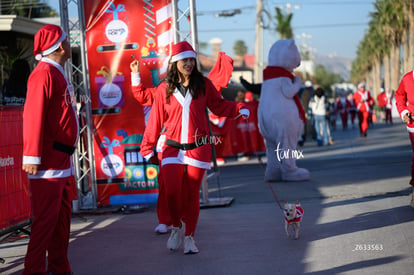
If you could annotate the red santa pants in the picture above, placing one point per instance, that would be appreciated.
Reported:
(163, 212)
(344, 118)
(388, 116)
(182, 186)
(352, 115)
(51, 209)
(363, 121)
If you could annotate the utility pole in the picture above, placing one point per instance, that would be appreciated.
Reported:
(258, 60)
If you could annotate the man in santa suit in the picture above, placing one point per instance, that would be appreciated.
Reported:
(364, 103)
(50, 134)
(404, 101)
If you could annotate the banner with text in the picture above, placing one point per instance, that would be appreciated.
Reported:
(117, 32)
(14, 184)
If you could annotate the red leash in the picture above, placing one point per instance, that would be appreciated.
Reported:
(264, 174)
(268, 183)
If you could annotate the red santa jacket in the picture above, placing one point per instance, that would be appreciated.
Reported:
(382, 99)
(49, 121)
(185, 122)
(363, 100)
(404, 98)
(342, 105)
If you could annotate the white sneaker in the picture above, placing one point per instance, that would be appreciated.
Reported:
(189, 245)
(162, 229)
(174, 241)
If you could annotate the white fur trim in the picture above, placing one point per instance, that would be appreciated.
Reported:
(197, 163)
(135, 79)
(31, 160)
(53, 48)
(187, 160)
(403, 113)
(183, 55)
(52, 174)
(149, 156)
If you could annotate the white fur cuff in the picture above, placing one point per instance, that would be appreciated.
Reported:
(135, 79)
(403, 113)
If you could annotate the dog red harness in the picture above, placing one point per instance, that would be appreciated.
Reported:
(299, 215)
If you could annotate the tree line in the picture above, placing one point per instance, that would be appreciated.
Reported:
(386, 51)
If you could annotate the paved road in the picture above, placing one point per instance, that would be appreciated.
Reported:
(357, 220)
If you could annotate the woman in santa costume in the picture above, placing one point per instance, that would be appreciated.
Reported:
(50, 134)
(404, 101)
(364, 103)
(219, 75)
(179, 114)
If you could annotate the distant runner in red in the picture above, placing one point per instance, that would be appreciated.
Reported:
(364, 103)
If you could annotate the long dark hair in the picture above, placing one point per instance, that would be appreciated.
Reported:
(319, 92)
(197, 85)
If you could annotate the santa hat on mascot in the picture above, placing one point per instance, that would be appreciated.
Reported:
(47, 40)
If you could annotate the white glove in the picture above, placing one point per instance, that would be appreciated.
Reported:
(245, 113)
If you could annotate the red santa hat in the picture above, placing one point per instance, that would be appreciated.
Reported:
(248, 96)
(47, 40)
(182, 50)
(361, 85)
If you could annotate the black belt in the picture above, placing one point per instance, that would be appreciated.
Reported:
(63, 148)
(185, 146)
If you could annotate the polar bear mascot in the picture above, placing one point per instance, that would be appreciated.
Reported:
(281, 116)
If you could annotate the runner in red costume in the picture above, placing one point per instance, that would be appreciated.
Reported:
(364, 103)
(342, 107)
(404, 100)
(219, 75)
(179, 114)
(50, 134)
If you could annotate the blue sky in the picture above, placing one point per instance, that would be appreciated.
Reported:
(330, 27)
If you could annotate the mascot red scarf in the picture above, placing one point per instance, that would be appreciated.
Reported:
(274, 72)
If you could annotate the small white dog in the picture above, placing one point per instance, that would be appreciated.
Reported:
(293, 216)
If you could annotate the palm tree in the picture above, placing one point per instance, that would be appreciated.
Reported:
(391, 19)
(284, 27)
(391, 26)
(239, 48)
(408, 38)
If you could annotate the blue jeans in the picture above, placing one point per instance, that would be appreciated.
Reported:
(321, 130)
